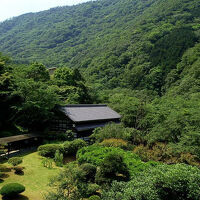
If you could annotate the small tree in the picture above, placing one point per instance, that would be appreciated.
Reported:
(58, 158)
(47, 162)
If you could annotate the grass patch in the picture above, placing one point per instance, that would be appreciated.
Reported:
(35, 178)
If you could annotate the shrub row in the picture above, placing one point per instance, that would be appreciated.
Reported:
(49, 150)
(67, 148)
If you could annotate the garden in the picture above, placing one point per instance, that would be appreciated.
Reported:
(111, 166)
(30, 173)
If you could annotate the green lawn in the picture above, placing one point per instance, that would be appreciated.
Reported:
(35, 178)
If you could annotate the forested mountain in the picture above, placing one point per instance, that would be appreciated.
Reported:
(116, 43)
(142, 58)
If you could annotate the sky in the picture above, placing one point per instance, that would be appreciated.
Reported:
(12, 8)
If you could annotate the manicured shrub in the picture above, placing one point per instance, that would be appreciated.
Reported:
(112, 142)
(89, 172)
(112, 168)
(87, 189)
(72, 147)
(12, 189)
(49, 150)
(15, 161)
(94, 197)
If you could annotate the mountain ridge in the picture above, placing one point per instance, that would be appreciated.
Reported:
(106, 39)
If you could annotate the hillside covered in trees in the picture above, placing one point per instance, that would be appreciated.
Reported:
(116, 43)
(142, 58)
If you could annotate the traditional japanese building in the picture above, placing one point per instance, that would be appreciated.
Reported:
(83, 119)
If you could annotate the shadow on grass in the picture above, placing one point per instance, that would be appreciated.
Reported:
(20, 173)
(20, 153)
(24, 152)
(4, 176)
(18, 197)
(6, 169)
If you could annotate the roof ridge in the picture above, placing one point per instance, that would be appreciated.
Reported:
(85, 105)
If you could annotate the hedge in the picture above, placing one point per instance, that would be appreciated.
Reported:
(49, 150)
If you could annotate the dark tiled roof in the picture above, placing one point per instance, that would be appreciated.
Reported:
(17, 138)
(89, 112)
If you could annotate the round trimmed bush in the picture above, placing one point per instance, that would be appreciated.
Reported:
(92, 189)
(14, 161)
(49, 150)
(12, 189)
(89, 171)
(94, 197)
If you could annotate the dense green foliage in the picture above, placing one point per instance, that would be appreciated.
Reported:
(73, 182)
(66, 148)
(113, 167)
(71, 147)
(89, 172)
(151, 38)
(113, 130)
(96, 154)
(12, 189)
(29, 95)
(49, 150)
(176, 182)
(140, 57)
